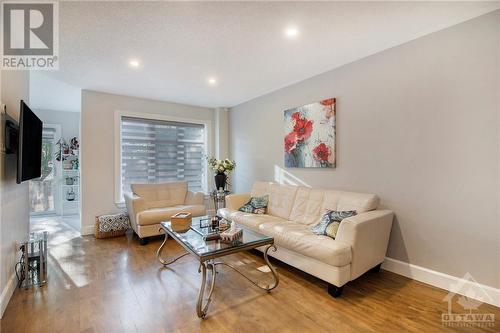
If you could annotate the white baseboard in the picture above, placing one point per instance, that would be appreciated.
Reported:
(7, 294)
(468, 286)
(87, 230)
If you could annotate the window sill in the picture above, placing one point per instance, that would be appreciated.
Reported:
(120, 205)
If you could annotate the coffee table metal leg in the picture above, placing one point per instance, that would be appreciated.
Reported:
(267, 287)
(168, 261)
(271, 267)
(201, 309)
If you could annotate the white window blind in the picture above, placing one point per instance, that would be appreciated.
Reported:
(48, 133)
(156, 151)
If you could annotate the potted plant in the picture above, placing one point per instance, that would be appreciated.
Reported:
(221, 168)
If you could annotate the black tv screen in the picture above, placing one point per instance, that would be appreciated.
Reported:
(29, 151)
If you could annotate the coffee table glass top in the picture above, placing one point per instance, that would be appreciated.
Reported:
(192, 241)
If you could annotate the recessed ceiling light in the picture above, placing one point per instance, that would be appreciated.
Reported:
(212, 81)
(291, 32)
(134, 63)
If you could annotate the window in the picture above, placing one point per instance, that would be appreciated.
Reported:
(155, 151)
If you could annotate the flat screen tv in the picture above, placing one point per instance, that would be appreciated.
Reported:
(29, 150)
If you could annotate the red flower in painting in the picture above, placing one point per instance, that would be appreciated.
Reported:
(296, 116)
(329, 107)
(321, 153)
(290, 142)
(328, 102)
(303, 128)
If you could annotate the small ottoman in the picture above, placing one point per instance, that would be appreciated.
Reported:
(111, 225)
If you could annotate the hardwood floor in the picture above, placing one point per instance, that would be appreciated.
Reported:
(115, 285)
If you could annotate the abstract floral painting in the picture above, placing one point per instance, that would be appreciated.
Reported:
(310, 135)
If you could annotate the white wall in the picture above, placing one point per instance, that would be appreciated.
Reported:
(14, 199)
(69, 121)
(97, 145)
(221, 133)
(418, 125)
(49, 93)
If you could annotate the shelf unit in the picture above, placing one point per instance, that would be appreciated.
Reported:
(70, 207)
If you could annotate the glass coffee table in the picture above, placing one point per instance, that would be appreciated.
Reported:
(207, 253)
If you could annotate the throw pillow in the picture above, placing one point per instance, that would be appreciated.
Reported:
(256, 205)
(330, 222)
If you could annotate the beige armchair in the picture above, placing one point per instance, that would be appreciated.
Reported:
(150, 204)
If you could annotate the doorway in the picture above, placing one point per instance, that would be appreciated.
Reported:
(54, 197)
(44, 195)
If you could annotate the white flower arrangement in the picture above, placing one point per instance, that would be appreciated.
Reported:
(221, 166)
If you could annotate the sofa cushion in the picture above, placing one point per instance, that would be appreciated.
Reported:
(260, 188)
(157, 215)
(252, 221)
(299, 238)
(340, 200)
(281, 198)
(228, 213)
(161, 195)
(308, 205)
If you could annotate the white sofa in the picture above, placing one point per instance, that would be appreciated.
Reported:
(360, 244)
(150, 204)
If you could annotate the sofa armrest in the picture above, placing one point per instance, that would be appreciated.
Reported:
(235, 201)
(368, 234)
(135, 205)
(195, 198)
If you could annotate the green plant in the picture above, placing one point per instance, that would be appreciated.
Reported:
(47, 164)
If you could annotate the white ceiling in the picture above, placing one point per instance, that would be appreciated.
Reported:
(181, 44)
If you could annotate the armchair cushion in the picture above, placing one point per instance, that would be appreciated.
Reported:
(157, 215)
(195, 198)
(161, 195)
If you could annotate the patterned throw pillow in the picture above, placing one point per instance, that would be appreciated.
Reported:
(256, 205)
(330, 222)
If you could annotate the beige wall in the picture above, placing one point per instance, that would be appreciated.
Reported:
(14, 199)
(417, 124)
(97, 145)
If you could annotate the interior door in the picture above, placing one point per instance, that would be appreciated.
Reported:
(43, 191)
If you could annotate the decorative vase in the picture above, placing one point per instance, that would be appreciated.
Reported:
(220, 180)
(70, 195)
(215, 222)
